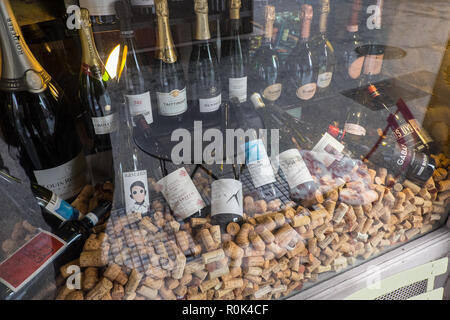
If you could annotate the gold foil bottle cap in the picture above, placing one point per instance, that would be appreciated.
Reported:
(162, 8)
(270, 13)
(306, 12)
(201, 6)
(85, 20)
(235, 6)
(325, 6)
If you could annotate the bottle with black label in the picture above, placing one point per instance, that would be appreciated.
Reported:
(171, 86)
(205, 93)
(22, 270)
(36, 116)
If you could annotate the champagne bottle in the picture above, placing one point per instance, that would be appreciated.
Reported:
(55, 210)
(300, 70)
(324, 52)
(131, 76)
(35, 116)
(23, 269)
(204, 74)
(352, 59)
(100, 117)
(266, 65)
(171, 86)
(233, 67)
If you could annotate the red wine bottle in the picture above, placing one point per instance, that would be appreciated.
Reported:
(36, 117)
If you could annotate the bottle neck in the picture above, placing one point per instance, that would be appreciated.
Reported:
(306, 30)
(354, 18)
(202, 27)
(325, 10)
(268, 31)
(166, 46)
(92, 65)
(235, 14)
(20, 71)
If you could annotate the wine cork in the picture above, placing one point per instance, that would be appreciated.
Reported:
(412, 186)
(257, 242)
(207, 240)
(242, 237)
(147, 292)
(195, 222)
(182, 240)
(216, 234)
(101, 289)
(147, 224)
(112, 271)
(443, 185)
(133, 281)
(340, 212)
(95, 258)
(232, 250)
(299, 221)
(213, 256)
(233, 228)
(233, 284)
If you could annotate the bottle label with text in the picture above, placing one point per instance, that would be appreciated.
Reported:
(61, 209)
(324, 79)
(272, 92)
(106, 124)
(211, 104)
(24, 264)
(140, 104)
(294, 168)
(238, 88)
(67, 180)
(181, 194)
(226, 197)
(328, 149)
(258, 163)
(172, 103)
(136, 192)
(307, 91)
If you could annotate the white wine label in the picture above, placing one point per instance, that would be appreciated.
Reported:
(140, 104)
(238, 88)
(181, 194)
(142, 3)
(258, 163)
(226, 197)
(307, 91)
(99, 8)
(294, 168)
(328, 149)
(272, 92)
(324, 79)
(136, 192)
(61, 209)
(106, 124)
(24, 264)
(355, 129)
(173, 103)
(354, 70)
(67, 180)
(211, 104)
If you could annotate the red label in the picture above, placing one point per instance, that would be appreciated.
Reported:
(19, 268)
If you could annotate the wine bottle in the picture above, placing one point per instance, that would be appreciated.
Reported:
(171, 86)
(352, 59)
(324, 52)
(100, 117)
(182, 196)
(300, 70)
(23, 269)
(227, 199)
(204, 74)
(266, 66)
(55, 210)
(355, 128)
(101, 11)
(233, 67)
(137, 95)
(403, 124)
(35, 116)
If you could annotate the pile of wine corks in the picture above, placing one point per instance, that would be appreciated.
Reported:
(90, 197)
(274, 252)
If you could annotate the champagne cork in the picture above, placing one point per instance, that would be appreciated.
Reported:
(112, 271)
